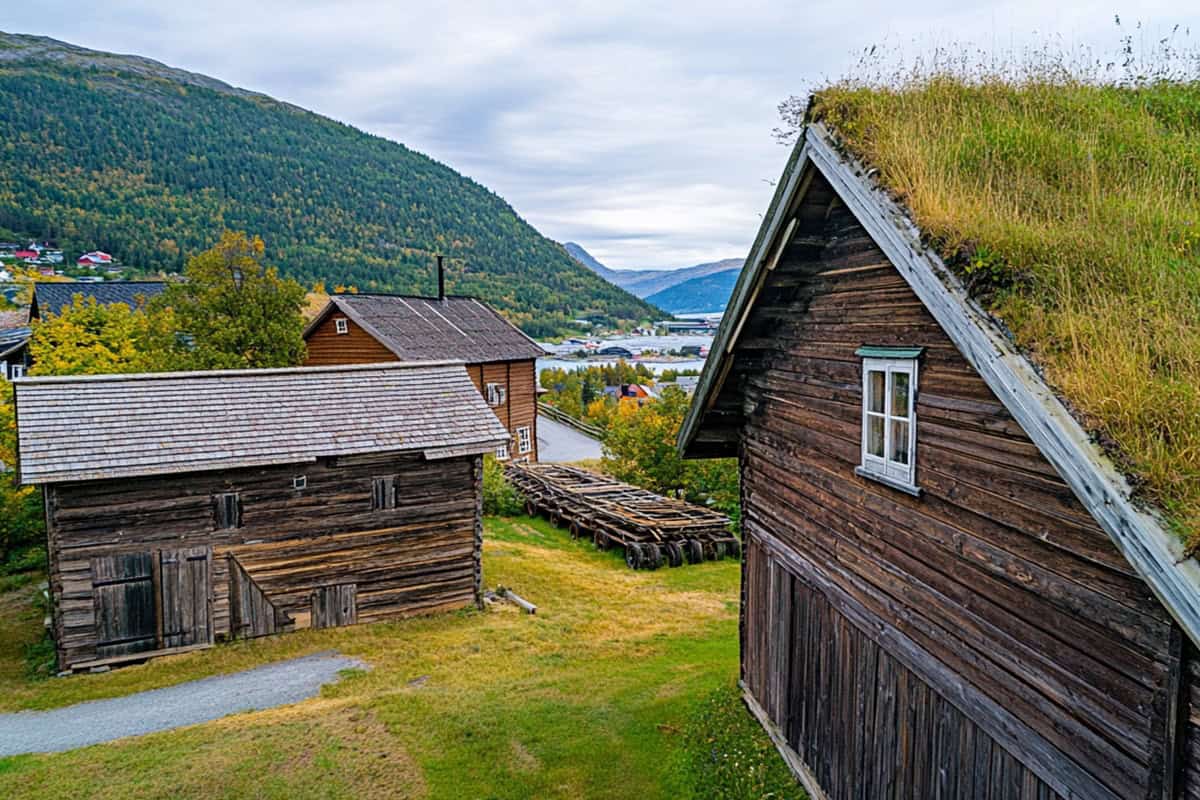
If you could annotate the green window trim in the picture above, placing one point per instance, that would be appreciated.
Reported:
(868, 351)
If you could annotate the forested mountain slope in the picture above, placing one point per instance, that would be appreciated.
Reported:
(151, 164)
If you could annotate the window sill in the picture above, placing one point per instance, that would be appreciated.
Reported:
(901, 486)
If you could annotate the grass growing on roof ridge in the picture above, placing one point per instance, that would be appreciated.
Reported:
(1073, 210)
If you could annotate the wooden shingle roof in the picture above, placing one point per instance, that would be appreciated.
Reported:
(116, 426)
(417, 328)
(50, 298)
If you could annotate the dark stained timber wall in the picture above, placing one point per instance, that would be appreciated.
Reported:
(993, 601)
(807, 666)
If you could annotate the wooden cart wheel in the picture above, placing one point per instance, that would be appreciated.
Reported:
(633, 555)
(710, 552)
(530, 509)
(602, 541)
(574, 530)
(695, 551)
(652, 557)
(674, 554)
(555, 519)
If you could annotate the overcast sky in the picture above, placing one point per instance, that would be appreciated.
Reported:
(641, 130)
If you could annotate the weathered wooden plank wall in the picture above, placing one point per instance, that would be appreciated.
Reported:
(996, 574)
(1189, 788)
(416, 557)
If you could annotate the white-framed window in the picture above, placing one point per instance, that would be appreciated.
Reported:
(495, 394)
(18, 371)
(300, 482)
(889, 417)
(524, 440)
(502, 452)
(341, 325)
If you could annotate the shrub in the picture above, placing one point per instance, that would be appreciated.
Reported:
(500, 498)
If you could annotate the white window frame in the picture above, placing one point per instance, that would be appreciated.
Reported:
(886, 469)
(495, 394)
(341, 325)
(502, 452)
(299, 482)
(524, 440)
(17, 371)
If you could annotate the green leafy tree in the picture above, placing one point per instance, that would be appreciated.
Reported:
(234, 311)
(22, 530)
(90, 338)
(639, 447)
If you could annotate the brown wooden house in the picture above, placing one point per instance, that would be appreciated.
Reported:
(501, 360)
(183, 508)
(947, 589)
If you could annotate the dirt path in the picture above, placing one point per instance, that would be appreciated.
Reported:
(98, 721)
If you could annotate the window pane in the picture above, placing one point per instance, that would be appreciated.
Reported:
(899, 442)
(875, 436)
(875, 389)
(900, 394)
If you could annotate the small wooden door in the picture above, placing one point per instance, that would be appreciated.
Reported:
(335, 605)
(123, 588)
(185, 601)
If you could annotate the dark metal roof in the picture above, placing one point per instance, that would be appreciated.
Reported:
(117, 426)
(50, 298)
(421, 328)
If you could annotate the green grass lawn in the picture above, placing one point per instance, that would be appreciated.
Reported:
(621, 686)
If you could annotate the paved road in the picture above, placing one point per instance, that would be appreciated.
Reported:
(162, 709)
(558, 442)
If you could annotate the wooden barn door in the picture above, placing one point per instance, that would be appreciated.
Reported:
(184, 581)
(123, 588)
(335, 605)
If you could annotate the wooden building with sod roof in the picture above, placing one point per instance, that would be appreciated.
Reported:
(184, 508)
(501, 360)
(948, 588)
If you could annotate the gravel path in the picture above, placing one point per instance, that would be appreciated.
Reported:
(558, 442)
(173, 707)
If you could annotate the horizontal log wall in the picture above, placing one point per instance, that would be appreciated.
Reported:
(806, 664)
(419, 556)
(996, 571)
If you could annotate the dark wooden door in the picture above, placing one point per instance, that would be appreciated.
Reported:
(184, 579)
(123, 586)
(335, 605)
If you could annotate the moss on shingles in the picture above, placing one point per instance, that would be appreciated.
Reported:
(1073, 211)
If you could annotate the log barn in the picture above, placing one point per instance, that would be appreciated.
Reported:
(501, 360)
(185, 508)
(948, 590)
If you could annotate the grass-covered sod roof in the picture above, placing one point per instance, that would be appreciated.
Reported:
(1073, 211)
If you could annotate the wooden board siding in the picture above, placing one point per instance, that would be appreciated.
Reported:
(520, 406)
(995, 587)
(327, 347)
(1190, 746)
(807, 665)
(418, 557)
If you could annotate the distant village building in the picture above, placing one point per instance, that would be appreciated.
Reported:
(374, 328)
(51, 298)
(185, 508)
(14, 344)
(95, 258)
(947, 588)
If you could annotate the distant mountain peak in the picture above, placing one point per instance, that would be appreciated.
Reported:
(646, 282)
